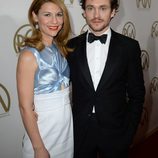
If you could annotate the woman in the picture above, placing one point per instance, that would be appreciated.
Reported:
(43, 83)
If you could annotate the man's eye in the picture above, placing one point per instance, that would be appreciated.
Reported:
(89, 8)
(103, 8)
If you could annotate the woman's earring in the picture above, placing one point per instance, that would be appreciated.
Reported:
(36, 26)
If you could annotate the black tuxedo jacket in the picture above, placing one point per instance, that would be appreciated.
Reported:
(119, 97)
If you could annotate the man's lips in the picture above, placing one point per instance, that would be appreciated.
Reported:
(97, 20)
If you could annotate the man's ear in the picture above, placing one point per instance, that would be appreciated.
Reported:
(84, 15)
(113, 13)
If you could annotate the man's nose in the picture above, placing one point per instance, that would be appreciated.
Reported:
(96, 13)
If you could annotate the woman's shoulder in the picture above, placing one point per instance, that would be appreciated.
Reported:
(27, 55)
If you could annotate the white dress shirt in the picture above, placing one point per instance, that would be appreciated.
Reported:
(96, 57)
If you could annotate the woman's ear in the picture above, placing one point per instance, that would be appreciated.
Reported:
(34, 17)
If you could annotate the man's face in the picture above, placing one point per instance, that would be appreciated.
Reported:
(98, 14)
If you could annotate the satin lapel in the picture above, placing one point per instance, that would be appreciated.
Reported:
(83, 63)
(108, 69)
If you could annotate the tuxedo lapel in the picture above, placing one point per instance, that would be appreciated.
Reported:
(108, 69)
(83, 63)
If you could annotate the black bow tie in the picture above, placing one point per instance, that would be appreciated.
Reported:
(92, 38)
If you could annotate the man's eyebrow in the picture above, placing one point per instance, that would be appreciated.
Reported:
(90, 5)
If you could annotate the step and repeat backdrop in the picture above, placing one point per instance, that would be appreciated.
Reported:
(137, 19)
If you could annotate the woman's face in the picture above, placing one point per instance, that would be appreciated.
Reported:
(50, 19)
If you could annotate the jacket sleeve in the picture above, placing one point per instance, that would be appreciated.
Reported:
(135, 87)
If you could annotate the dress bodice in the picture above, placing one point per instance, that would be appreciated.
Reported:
(52, 73)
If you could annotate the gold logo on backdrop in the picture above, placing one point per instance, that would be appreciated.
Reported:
(4, 100)
(143, 3)
(154, 29)
(154, 85)
(71, 1)
(23, 31)
(119, 2)
(129, 30)
(144, 116)
(84, 29)
(68, 1)
(145, 59)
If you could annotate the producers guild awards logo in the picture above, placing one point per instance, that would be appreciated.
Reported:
(145, 114)
(129, 30)
(143, 3)
(154, 85)
(119, 2)
(23, 31)
(4, 101)
(154, 29)
(145, 59)
(68, 1)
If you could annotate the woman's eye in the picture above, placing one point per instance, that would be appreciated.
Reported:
(59, 14)
(47, 15)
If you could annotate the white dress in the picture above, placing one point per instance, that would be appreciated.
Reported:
(52, 105)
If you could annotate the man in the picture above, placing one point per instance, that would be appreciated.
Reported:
(107, 85)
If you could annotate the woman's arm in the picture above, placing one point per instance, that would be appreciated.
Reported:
(26, 68)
